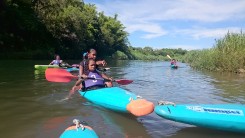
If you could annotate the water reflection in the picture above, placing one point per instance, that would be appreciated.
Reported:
(116, 124)
(197, 132)
(231, 85)
(35, 106)
(39, 74)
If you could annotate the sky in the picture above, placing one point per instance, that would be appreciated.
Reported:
(186, 24)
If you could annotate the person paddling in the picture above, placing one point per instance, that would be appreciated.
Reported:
(57, 60)
(60, 62)
(98, 81)
(83, 67)
(173, 63)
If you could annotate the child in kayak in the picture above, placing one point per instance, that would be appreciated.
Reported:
(91, 73)
(83, 67)
(57, 60)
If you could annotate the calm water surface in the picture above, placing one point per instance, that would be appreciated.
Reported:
(32, 107)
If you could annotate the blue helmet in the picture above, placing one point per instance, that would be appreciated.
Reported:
(84, 54)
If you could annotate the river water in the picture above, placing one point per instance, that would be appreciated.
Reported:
(32, 107)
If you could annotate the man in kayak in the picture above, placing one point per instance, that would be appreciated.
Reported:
(57, 60)
(83, 67)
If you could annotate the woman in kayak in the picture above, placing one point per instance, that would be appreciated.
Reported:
(83, 67)
(57, 60)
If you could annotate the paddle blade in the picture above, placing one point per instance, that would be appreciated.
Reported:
(58, 75)
(124, 82)
(169, 57)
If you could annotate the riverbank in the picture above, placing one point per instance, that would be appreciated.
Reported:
(227, 55)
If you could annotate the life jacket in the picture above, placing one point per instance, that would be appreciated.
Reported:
(173, 62)
(56, 62)
(93, 82)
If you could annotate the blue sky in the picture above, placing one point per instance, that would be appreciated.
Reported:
(186, 24)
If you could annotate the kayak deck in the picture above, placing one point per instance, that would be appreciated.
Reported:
(228, 117)
(120, 100)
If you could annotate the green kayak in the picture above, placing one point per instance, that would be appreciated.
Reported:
(43, 67)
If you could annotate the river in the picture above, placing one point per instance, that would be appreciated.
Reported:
(33, 107)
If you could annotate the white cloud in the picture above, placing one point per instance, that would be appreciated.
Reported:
(149, 16)
(148, 10)
(172, 21)
(199, 33)
(152, 30)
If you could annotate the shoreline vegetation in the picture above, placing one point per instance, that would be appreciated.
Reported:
(37, 29)
(227, 55)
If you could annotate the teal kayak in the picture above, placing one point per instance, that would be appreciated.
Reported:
(174, 66)
(118, 99)
(228, 117)
(72, 69)
(77, 131)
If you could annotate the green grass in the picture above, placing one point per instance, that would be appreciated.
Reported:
(228, 54)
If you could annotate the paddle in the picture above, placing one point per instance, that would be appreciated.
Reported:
(103, 69)
(175, 66)
(58, 75)
(169, 57)
(61, 75)
(66, 66)
(100, 69)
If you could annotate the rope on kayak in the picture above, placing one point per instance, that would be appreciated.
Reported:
(139, 97)
(131, 99)
(165, 103)
(78, 124)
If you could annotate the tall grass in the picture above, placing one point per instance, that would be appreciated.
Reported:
(228, 54)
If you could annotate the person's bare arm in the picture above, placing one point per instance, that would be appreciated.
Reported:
(106, 77)
(101, 63)
(51, 63)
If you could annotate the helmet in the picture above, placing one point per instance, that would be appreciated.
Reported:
(84, 54)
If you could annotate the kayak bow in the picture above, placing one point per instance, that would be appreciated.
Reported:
(118, 99)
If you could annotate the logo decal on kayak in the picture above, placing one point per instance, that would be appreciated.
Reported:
(216, 110)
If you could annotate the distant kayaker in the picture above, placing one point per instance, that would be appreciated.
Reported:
(173, 62)
(83, 67)
(57, 60)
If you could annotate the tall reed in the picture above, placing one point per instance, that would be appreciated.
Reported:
(228, 54)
